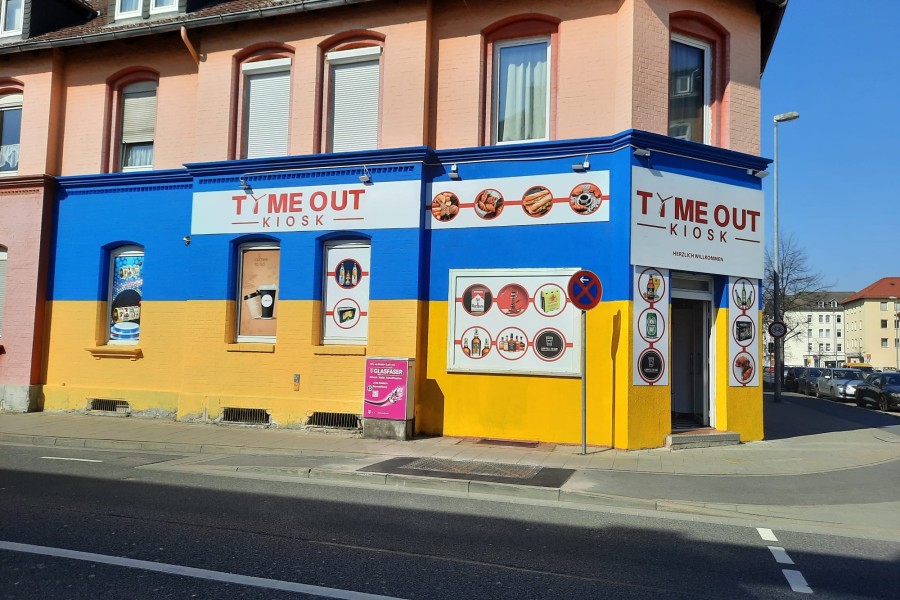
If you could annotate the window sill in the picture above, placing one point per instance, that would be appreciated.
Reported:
(338, 350)
(129, 352)
(250, 347)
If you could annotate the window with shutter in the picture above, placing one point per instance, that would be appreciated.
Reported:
(355, 77)
(138, 125)
(267, 100)
(3, 255)
(10, 132)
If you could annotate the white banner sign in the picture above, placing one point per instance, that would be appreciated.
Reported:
(532, 200)
(513, 321)
(388, 205)
(651, 326)
(694, 224)
(743, 320)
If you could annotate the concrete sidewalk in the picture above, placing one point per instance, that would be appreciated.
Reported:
(813, 467)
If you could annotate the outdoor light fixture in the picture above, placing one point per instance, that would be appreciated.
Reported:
(187, 240)
(642, 153)
(245, 186)
(583, 166)
(365, 177)
(776, 264)
(758, 173)
(454, 172)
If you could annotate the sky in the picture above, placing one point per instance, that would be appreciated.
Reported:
(837, 63)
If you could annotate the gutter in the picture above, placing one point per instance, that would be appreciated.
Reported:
(175, 26)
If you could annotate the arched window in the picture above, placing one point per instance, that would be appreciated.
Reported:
(10, 131)
(346, 291)
(259, 266)
(697, 76)
(126, 289)
(263, 101)
(520, 52)
(132, 101)
(352, 75)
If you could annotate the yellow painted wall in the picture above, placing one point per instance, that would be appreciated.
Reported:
(189, 365)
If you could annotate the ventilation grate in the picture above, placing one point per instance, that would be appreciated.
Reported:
(336, 420)
(110, 406)
(246, 416)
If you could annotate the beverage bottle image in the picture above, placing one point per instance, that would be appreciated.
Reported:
(354, 275)
(476, 345)
(341, 274)
(744, 303)
(651, 288)
(652, 332)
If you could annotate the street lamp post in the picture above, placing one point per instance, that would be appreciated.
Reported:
(776, 271)
(896, 330)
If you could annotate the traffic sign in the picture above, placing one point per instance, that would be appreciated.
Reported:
(777, 329)
(585, 290)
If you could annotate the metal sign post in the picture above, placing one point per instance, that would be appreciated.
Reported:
(585, 291)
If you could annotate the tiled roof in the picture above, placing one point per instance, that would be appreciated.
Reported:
(100, 28)
(882, 289)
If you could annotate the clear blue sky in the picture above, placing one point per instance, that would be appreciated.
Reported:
(837, 63)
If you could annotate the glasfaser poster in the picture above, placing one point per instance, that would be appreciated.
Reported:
(743, 321)
(651, 326)
(513, 321)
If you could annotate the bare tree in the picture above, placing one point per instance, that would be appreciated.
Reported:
(799, 284)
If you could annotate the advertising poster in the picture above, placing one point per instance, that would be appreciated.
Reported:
(743, 319)
(388, 392)
(691, 224)
(347, 293)
(513, 321)
(651, 326)
(125, 301)
(534, 200)
(259, 292)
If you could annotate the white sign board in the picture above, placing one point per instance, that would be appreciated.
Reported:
(651, 326)
(513, 321)
(691, 224)
(388, 205)
(533, 200)
(347, 292)
(743, 339)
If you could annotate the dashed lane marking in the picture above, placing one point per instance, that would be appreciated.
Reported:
(73, 459)
(797, 581)
(766, 534)
(780, 555)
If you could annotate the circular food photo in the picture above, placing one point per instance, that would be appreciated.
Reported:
(537, 201)
(445, 206)
(489, 204)
(585, 198)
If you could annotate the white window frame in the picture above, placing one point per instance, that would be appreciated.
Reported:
(495, 86)
(12, 102)
(129, 250)
(351, 247)
(268, 246)
(155, 9)
(4, 274)
(140, 87)
(3, 31)
(120, 14)
(707, 84)
(262, 67)
(884, 306)
(337, 58)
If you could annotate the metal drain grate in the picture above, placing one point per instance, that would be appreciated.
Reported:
(109, 405)
(247, 416)
(511, 443)
(336, 420)
(473, 467)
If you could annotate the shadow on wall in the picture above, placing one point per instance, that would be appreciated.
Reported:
(430, 410)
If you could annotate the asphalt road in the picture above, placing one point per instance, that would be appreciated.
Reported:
(351, 541)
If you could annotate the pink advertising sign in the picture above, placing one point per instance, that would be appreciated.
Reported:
(388, 392)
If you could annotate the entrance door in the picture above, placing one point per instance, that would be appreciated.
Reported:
(690, 362)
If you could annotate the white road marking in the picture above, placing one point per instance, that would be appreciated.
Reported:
(766, 534)
(75, 459)
(272, 584)
(780, 555)
(798, 583)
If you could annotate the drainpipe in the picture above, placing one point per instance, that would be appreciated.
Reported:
(189, 45)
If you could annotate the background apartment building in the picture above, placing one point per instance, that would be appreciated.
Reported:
(873, 324)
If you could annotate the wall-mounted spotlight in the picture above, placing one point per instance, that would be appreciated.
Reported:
(454, 172)
(245, 186)
(582, 166)
(365, 177)
(187, 240)
(758, 173)
(642, 152)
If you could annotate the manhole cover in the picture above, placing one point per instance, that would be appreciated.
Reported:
(473, 467)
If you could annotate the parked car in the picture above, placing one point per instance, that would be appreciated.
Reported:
(839, 384)
(881, 390)
(807, 380)
(791, 375)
